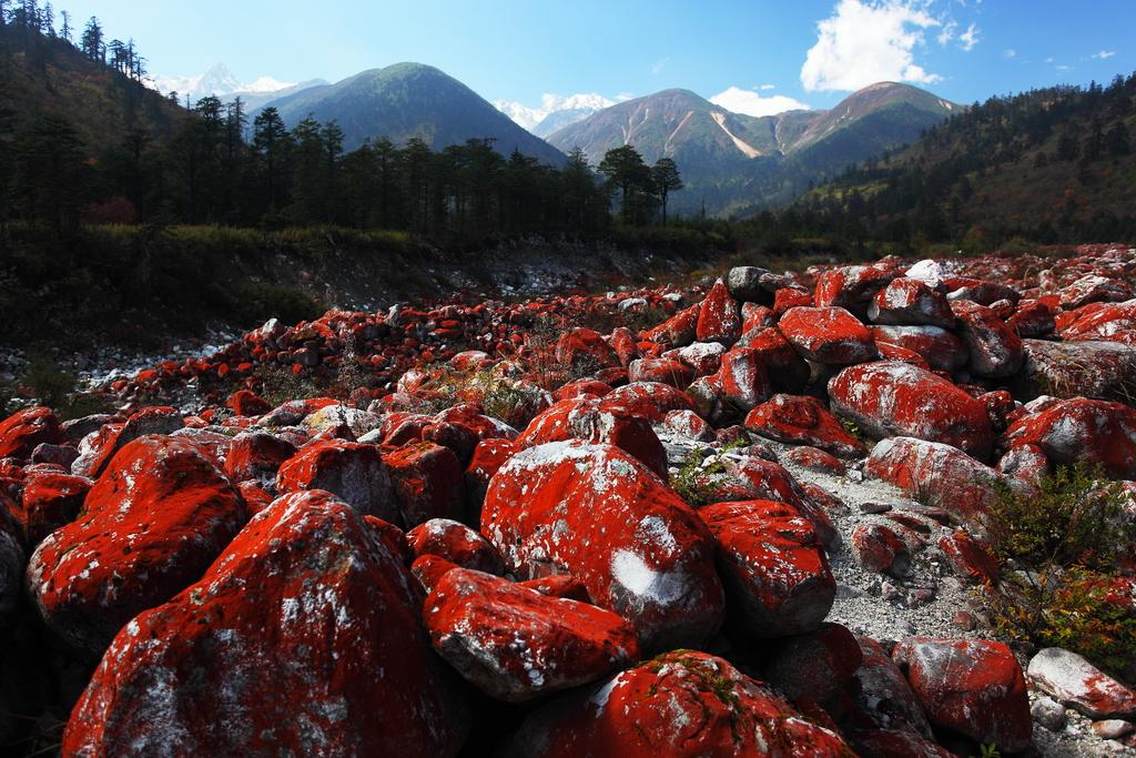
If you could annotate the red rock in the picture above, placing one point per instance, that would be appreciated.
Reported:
(661, 370)
(812, 459)
(1033, 318)
(488, 456)
(1025, 465)
(677, 331)
(151, 524)
(969, 558)
(606, 421)
(257, 456)
(743, 381)
(828, 335)
(688, 424)
(974, 687)
(1113, 322)
(301, 634)
(878, 548)
(427, 482)
(256, 497)
(910, 302)
(883, 698)
(1075, 682)
(584, 350)
(457, 543)
(704, 357)
(719, 319)
(756, 316)
(515, 643)
(889, 352)
(775, 571)
(789, 297)
(787, 371)
(936, 474)
(50, 500)
(886, 743)
(802, 420)
(753, 478)
(942, 350)
(1093, 432)
(1094, 289)
(888, 399)
(979, 291)
(851, 287)
(429, 570)
(597, 513)
(247, 403)
(683, 704)
(97, 450)
(624, 344)
(581, 387)
(814, 667)
(352, 471)
(23, 430)
(995, 349)
(559, 585)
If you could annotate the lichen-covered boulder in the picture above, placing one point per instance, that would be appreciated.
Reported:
(1093, 432)
(584, 350)
(1112, 322)
(152, 523)
(974, 687)
(995, 349)
(803, 420)
(427, 481)
(303, 638)
(1075, 682)
(516, 643)
(897, 399)
(1088, 368)
(352, 471)
(49, 501)
(939, 475)
(942, 350)
(828, 335)
(597, 513)
(457, 543)
(682, 704)
(719, 318)
(776, 573)
(21, 432)
(910, 302)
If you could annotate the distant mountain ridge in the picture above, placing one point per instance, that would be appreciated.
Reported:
(407, 100)
(554, 112)
(219, 81)
(732, 161)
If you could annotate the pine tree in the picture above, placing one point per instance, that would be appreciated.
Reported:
(667, 180)
(270, 141)
(66, 31)
(626, 171)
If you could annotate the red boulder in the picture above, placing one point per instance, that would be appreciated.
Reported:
(828, 335)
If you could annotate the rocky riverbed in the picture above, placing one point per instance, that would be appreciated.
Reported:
(752, 518)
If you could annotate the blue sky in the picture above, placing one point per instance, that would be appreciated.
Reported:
(812, 51)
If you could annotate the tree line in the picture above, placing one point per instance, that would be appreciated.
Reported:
(221, 165)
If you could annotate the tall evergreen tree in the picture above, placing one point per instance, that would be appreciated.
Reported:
(667, 180)
(270, 141)
(626, 171)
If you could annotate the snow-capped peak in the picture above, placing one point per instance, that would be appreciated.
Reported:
(530, 117)
(218, 80)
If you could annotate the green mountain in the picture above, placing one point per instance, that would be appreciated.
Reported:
(1050, 164)
(43, 76)
(411, 100)
(733, 162)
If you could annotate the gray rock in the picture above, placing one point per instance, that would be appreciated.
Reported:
(1049, 713)
(744, 283)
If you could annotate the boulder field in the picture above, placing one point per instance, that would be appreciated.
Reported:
(740, 519)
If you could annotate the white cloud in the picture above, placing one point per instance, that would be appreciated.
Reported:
(746, 101)
(969, 38)
(868, 41)
(767, 87)
(947, 33)
(1049, 60)
(1009, 53)
(1104, 55)
(658, 66)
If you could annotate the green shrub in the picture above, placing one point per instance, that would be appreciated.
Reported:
(1059, 547)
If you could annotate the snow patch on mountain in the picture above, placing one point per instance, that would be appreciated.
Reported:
(575, 107)
(219, 81)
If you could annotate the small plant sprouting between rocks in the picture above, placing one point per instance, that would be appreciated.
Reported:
(694, 481)
(1059, 546)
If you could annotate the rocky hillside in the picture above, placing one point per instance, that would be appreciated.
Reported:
(731, 161)
(785, 514)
